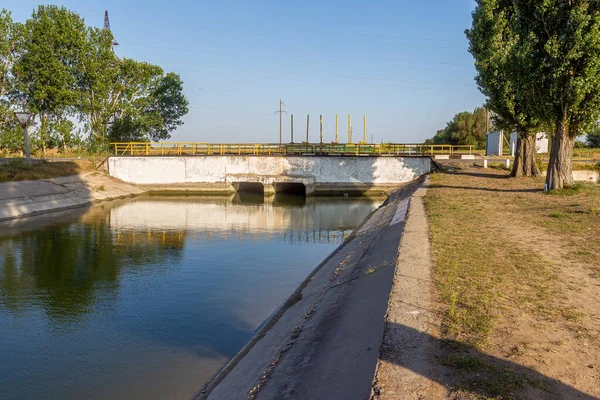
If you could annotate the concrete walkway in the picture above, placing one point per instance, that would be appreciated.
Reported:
(324, 342)
(405, 369)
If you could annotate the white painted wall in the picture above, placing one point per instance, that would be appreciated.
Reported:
(227, 169)
(541, 143)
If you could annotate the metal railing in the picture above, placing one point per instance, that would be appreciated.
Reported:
(358, 149)
(578, 158)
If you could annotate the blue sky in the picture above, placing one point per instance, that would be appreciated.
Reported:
(403, 63)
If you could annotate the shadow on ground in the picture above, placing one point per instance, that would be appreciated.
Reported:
(468, 370)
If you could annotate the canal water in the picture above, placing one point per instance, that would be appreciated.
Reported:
(149, 297)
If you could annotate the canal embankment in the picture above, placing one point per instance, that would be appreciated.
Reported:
(29, 198)
(324, 341)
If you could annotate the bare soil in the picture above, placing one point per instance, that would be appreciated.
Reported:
(515, 304)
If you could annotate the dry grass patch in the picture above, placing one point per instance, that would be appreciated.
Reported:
(19, 170)
(514, 265)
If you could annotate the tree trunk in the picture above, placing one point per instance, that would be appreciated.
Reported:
(43, 133)
(560, 172)
(525, 163)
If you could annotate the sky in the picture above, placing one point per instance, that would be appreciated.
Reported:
(403, 64)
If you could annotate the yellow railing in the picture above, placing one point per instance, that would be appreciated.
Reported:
(578, 158)
(358, 149)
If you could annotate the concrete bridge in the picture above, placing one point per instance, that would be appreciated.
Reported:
(314, 175)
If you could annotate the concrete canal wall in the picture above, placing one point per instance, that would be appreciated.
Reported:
(319, 174)
(28, 198)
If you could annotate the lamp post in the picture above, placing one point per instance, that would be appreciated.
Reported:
(24, 117)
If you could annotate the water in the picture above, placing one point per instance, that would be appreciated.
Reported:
(148, 298)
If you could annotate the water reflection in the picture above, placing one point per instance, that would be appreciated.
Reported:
(153, 293)
(67, 267)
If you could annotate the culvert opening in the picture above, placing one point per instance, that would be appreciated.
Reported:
(250, 187)
(291, 188)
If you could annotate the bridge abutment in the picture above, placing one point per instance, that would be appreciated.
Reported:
(320, 175)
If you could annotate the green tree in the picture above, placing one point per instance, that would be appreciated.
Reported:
(495, 46)
(560, 42)
(592, 139)
(11, 134)
(466, 128)
(99, 73)
(159, 112)
(46, 74)
(10, 41)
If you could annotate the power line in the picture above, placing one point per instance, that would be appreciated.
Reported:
(299, 54)
(299, 61)
(319, 75)
(304, 31)
(203, 106)
(229, 96)
(309, 81)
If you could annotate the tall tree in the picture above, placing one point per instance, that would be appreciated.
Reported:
(11, 136)
(495, 46)
(561, 54)
(46, 73)
(99, 74)
(10, 41)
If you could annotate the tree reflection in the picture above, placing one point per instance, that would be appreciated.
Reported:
(68, 269)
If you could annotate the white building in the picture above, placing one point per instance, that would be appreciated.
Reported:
(541, 143)
(494, 143)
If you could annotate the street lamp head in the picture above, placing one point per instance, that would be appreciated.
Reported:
(23, 117)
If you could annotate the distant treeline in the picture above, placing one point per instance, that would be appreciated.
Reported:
(466, 128)
(469, 128)
(80, 92)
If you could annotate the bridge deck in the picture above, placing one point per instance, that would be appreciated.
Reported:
(285, 149)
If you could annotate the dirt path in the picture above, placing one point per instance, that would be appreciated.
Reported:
(515, 311)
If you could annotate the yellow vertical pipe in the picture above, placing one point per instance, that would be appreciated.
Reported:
(349, 130)
(365, 128)
(337, 124)
(321, 128)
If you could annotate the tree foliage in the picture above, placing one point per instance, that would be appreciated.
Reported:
(561, 54)
(495, 45)
(68, 76)
(466, 128)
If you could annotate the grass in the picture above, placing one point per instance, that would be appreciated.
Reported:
(492, 241)
(19, 170)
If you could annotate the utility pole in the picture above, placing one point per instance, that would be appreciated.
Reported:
(307, 121)
(337, 123)
(280, 112)
(365, 129)
(24, 117)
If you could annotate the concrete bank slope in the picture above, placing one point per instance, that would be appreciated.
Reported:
(407, 368)
(324, 342)
(28, 198)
